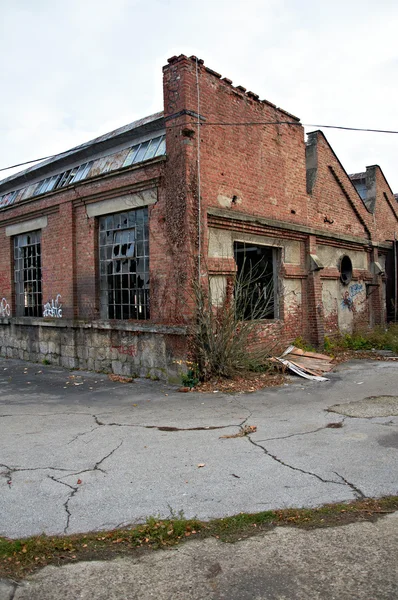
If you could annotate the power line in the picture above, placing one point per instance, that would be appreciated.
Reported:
(229, 124)
(28, 162)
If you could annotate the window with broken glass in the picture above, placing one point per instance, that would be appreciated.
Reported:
(124, 265)
(256, 281)
(27, 274)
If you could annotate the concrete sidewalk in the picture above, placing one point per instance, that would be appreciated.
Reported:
(79, 452)
(354, 562)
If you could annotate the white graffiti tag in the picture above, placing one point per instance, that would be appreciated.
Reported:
(4, 308)
(53, 309)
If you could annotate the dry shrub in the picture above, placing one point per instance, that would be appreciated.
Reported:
(228, 339)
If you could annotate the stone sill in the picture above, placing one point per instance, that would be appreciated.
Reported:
(109, 325)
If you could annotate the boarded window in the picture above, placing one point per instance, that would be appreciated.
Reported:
(27, 274)
(256, 281)
(124, 265)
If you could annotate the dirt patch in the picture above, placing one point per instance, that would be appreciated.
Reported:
(242, 384)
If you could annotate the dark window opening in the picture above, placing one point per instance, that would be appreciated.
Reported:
(27, 274)
(345, 270)
(256, 281)
(124, 265)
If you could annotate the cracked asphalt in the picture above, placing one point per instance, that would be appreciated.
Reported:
(79, 452)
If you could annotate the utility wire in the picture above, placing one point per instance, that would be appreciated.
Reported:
(228, 124)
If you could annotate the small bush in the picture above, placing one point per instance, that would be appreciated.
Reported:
(228, 339)
(301, 343)
(379, 338)
(191, 378)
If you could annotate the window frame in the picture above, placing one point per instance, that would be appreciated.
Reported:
(123, 265)
(28, 263)
(276, 256)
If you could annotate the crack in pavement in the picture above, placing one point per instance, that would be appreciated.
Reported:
(75, 489)
(9, 471)
(281, 462)
(82, 434)
(336, 425)
(69, 498)
(355, 489)
(96, 466)
(165, 427)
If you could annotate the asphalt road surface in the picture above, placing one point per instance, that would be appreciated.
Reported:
(79, 452)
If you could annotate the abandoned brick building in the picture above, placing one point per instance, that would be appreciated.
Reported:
(100, 243)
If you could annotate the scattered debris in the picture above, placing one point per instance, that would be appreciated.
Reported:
(246, 430)
(120, 378)
(335, 425)
(184, 389)
(79, 481)
(200, 465)
(309, 365)
(233, 475)
(242, 383)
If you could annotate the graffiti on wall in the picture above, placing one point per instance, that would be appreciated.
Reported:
(4, 308)
(347, 301)
(130, 350)
(53, 308)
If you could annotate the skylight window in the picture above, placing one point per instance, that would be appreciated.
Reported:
(63, 179)
(7, 199)
(146, 150)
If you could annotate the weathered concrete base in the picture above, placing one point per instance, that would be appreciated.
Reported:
(127, 349)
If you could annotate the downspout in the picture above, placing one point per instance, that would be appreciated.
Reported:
(396, 278)
(198, 167)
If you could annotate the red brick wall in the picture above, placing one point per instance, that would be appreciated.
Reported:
(334, 198)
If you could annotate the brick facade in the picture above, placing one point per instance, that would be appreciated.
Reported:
(250, 178)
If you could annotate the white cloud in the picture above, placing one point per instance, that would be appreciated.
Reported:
(71, 71)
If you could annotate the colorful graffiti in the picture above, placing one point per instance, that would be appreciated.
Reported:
(347, 301)
(4, 308)
(53, 308)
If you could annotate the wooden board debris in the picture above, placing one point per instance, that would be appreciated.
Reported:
(310, 365)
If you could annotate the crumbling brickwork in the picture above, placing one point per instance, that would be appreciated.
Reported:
(236, 170)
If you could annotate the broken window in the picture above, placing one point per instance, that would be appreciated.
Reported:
(345, 270)
(27, 274)
(256, 281)
(63, 179)
(8, 198)
(146, 150)
(124, 265)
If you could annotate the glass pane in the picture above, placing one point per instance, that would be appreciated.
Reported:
(153, 146)
(162, 147)
(141, 152)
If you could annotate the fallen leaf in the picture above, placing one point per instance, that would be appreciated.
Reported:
(120, 378)
(79, 481)
(200, 465)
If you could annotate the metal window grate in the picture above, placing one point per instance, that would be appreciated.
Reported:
(124, 265)
(27, 274)
(146, 150)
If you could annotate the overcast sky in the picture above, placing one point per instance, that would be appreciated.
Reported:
(74, 69)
